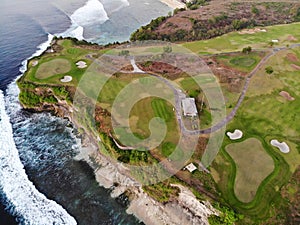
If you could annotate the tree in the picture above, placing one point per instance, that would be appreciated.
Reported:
(247, 50)
(255, 10)
(269, 70)
(167, 49)
(124, 53)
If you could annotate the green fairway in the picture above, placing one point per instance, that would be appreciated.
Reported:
(235, 41)
(145, 110)
(53, 67)
(263, 115)
(162, 110)
(253, 165)
(243, 61)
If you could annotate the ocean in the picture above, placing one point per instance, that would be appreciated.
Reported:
(40, 181)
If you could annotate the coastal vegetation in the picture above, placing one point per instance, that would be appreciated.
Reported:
(212, 20)
(253, 180)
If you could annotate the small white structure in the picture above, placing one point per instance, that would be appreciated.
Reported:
(275, 41)
(81, 64)
(189, 107)
(237, 134)
(191, 167)
(66, 79)
(283, 147)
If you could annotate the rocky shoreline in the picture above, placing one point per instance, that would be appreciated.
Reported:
(110, 174)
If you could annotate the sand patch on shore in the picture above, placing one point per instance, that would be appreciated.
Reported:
(174, 4)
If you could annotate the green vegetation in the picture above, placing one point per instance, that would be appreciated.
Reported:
(248, 175)
(162, 192)
(161, 110)
(236, 42)
(263, 115)
(227, 216)
(269, 70)
(234, 16)
(195, 4)
(241, 62)
(247, 50)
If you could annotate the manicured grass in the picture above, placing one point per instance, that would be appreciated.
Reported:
(264, 115)
(253, 165)
(235, 41)
(242, 62)
(162, 110)
(53, 67)
(146, 109)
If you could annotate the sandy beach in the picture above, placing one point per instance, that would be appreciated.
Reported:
(174, 3)
(186, 209)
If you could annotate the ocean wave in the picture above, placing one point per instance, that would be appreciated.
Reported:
(40, 49)
(75, 31)
(114, 5)
(25, 200)
(21, 197)
(92, 12)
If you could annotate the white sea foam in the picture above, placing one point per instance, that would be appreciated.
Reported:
(92, 12)
(75, 31)
(26, 200)
(21, 195)
(40, 49)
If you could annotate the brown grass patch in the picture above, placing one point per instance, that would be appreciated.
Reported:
(295, 66)
(292, 57)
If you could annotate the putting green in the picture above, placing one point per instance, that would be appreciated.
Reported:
(243, 61)
(253, 165)
(53, 67)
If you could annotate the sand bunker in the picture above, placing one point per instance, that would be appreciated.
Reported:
(283, 147)
(81, 64)
(291, 38)
(286, 95)
(66, 79)
(237, 134)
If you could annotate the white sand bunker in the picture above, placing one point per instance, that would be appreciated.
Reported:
(283, 147)
(66, 79)
(237, 134)
(34, 63)
(81, 64)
